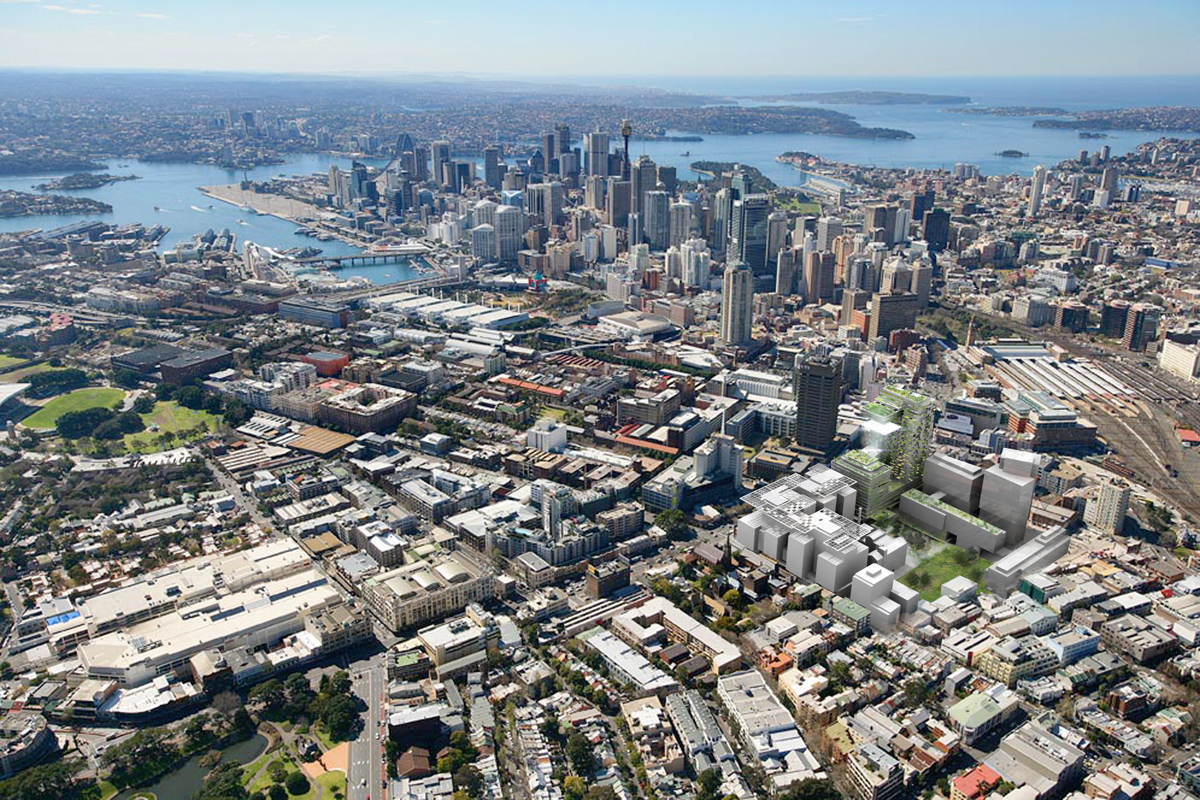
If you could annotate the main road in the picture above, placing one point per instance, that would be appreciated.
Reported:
(365, 771)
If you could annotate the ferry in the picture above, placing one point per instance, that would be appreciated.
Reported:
(245, 207)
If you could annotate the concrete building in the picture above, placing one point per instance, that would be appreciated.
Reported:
(737, 304)
(1035, 757)
(1107, 510)
(424, 591)
(1008, 490)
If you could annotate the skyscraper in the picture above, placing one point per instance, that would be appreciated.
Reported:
(441, 156)
(722, 213)
(737, 303)
(491, 166)
(912, 444)
(935, 228)
(818, 277)
(597, 153)
(785, 272)
(643, 177)
(828, 229)
(777, 234)
(748, 231)
(657, 220)
(818, 388)
(508, 233)
(1106, 511)
(681, 223)
(1036, 190)
(617, 202)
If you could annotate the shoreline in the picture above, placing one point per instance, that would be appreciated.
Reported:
(291, 212)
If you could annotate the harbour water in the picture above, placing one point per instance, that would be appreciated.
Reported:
(168, 193)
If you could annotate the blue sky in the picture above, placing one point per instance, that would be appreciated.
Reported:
(612, 38)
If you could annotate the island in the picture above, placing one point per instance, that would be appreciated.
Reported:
(24, 204)
(1092, 135)
(83, 180)
(1012, 154)
(865, 98)
(34, 162)
(1012, 111)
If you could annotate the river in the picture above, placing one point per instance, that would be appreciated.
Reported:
(184, 782)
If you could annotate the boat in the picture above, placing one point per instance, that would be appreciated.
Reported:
(1012, 154)
(241, 222)
(156, 208)
(685, 154)
(245, 207)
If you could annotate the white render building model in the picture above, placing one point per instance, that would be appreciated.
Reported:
(802, 523)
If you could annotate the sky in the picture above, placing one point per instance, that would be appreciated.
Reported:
(609, 38)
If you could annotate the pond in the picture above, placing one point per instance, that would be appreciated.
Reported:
(184, 782)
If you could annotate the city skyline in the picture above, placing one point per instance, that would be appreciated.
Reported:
(867, 39)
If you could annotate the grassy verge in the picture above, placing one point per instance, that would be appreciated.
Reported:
(78, 400)
(169, 418)
(943, 566)
(332, 781)
(8, 361)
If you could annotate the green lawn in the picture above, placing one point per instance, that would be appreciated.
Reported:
(21, 375)
(78, 400)
(791, 204)
(8, 361)
(944, 566)
(332, 781)
(107, 790)
(170, 417)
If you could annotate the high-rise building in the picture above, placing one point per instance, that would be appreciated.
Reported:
(818, 388)
(681, 223)
(643, 178)
(891, 312)
(722, 213)
(549, 153)
(737, 303)
(1141, 326)
(657, 220)
(818, 277)
(1106, 511)
(441, 157)
(880, 223)
(697, 263)
(777, 234)
(935, 228)
(509, 225)
(1113, 318)
(617, 202)
(668, 178)
(597, 154)
(483, 242)
(828, 229)
(1036, 189)
(1008, 489)
(913, 442)
(785, 272)
(491, 166)
(748, 231)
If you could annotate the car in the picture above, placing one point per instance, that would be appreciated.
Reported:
(377, 736)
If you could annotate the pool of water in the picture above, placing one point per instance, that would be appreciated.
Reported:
(184, 782)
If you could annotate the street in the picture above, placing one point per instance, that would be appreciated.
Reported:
(366, 770)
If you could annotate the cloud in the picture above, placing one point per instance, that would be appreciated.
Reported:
(152, 15)
(69, 10)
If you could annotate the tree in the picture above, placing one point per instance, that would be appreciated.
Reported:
(227, 703)
(338, 714)
(223, 783)
(144, 404)
(190, 397)
(709, 782)
(812, 789)
(732, 598)
(574, 787)
(296, 783)
(140, 757)
(674, 524)
(469, 779)
(78, 424)
(56, 780)
(600, 793)
(581, 753)
(916, 693)
(126, 378)
(277, 792)
(130, 422)
(44, 384)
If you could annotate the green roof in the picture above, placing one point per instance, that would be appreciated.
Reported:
(860, 457)
(916, 495)
(974, 711)
(847, 607)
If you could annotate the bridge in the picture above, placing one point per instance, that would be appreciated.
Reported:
(359, 260)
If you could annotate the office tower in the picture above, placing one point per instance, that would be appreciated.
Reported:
(643, 177)
(549, 153)
(896, 276)
(681, 223)
(818, 277)
(935, 228)
(828, 229)
(817, 386)
(922, 282)
(1106, 511)
(890, 312)
(697, 263)
(810, 246)
(785, 272)
(668, 178)
(657, 216)
(922, 202)
(597, 154)
(483, 242)
(880, 223)
(491, 166)
(484, 213)
(1008, 489)
(739, 183)
(1113, 318)
(441, 157)
(737, 303)
(748, 231)
(509, 227)
(1036, 190)
(777, 234)
(1141, 326)
(634, 232)
(595, 190)
(722, 213)
(562, 137)
(617, 202)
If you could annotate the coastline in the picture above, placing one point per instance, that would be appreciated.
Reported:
(284, 208)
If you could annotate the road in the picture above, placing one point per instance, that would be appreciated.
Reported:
(230, 485)
(366, 757)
